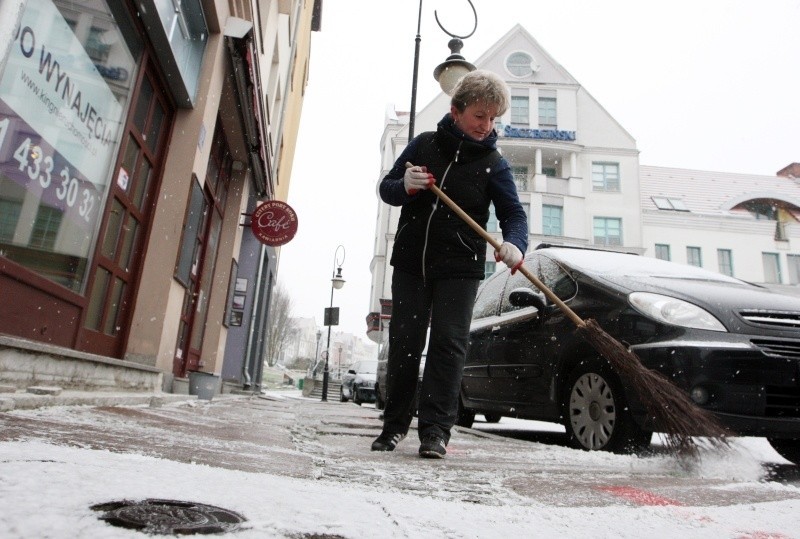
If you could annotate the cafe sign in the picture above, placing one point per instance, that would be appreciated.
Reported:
(274, 223)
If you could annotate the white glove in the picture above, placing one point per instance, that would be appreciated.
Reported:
(417, 178)
(510, 255)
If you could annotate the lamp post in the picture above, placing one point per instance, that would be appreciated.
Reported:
(448, 72)
(331, 316)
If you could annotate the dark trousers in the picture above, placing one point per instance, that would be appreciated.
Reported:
(448, 304)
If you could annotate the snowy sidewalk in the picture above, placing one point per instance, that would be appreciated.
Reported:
(296, 467)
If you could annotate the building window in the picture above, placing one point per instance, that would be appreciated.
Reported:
(520, 64)
(550, 172)
(552, 219)
(694, 257)
(662, 251)
(761, 209)
(607, 231)
(605, 177)
(520, 113)
(772, 268)
(520, 177)
(488, 269)
(547, 112)
(725, 260)
(793, 261)
(9, 215)
(492, 224)
(669, 203)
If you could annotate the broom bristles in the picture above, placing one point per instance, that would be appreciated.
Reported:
(670, 407)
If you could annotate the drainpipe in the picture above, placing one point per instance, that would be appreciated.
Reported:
(252, 329)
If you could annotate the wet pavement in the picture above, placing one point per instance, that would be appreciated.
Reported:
(302, 438)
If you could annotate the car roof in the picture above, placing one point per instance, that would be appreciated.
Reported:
(618, 264)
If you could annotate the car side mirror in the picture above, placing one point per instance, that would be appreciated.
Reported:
(351, 371)
(525, 297)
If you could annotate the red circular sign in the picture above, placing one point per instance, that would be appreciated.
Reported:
(274, 223)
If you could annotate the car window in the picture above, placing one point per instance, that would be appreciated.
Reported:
(556, 279)
(488, 300)
(518, 280)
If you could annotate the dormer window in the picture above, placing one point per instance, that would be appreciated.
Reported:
(669, 203)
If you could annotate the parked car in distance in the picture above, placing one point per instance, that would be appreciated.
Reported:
(358, 384)
(734, 347)
(380, 386)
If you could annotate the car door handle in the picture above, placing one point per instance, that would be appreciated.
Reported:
(495, 329)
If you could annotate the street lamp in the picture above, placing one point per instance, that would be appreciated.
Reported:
(331, 316)
(448, 72)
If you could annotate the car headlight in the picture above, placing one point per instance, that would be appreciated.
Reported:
(674, 311)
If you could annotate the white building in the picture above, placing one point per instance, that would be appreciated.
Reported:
(580, 181)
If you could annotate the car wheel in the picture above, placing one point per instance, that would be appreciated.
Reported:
(466, 417)
(342, 398)
(379, 402)
(596, 415)
(356, 398)
(492, 418)
(788, 449)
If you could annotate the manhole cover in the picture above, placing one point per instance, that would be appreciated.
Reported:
(169, 517)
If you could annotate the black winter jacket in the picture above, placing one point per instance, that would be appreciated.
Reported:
(431, 240)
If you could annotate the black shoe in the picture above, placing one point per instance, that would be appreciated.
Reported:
(387, 441)
(432, 447)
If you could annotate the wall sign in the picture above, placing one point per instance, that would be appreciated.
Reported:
(274, 223)
(542, 134)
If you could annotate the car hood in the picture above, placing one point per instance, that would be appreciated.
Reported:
(728, 301)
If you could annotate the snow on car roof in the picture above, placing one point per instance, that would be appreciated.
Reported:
(614, 263)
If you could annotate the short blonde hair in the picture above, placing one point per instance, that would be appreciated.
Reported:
(481, 86)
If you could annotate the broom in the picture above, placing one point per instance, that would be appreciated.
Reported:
(670, 407)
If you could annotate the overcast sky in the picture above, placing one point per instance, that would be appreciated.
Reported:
(702, 84)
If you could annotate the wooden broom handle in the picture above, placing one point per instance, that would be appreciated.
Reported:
(577, 320)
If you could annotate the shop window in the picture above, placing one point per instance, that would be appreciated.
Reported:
(61, 172)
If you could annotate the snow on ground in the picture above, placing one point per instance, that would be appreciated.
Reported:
(46, 491)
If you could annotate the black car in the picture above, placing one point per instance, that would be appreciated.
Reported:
(358, 383)
(733, 346)
(380, 384)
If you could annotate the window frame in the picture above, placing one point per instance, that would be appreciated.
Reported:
(604, 180)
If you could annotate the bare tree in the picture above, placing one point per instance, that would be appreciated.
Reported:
(280, 325)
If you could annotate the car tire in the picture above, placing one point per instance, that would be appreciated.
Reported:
(342, 398)
(596, 414)
(465, 417)
(356, 399)
(787, 448)
(492, 418)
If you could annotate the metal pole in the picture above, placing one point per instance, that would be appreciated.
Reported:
(327, 355)
(413, 112)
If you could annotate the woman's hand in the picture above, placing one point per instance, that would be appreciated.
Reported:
(417, 178)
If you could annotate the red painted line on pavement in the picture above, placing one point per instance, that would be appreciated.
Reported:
(639, 496)
(642, 497)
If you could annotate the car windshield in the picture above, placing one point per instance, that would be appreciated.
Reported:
(621, 264)
(368, 367)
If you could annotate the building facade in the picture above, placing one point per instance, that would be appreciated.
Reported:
(133, 138)
(579, 178)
